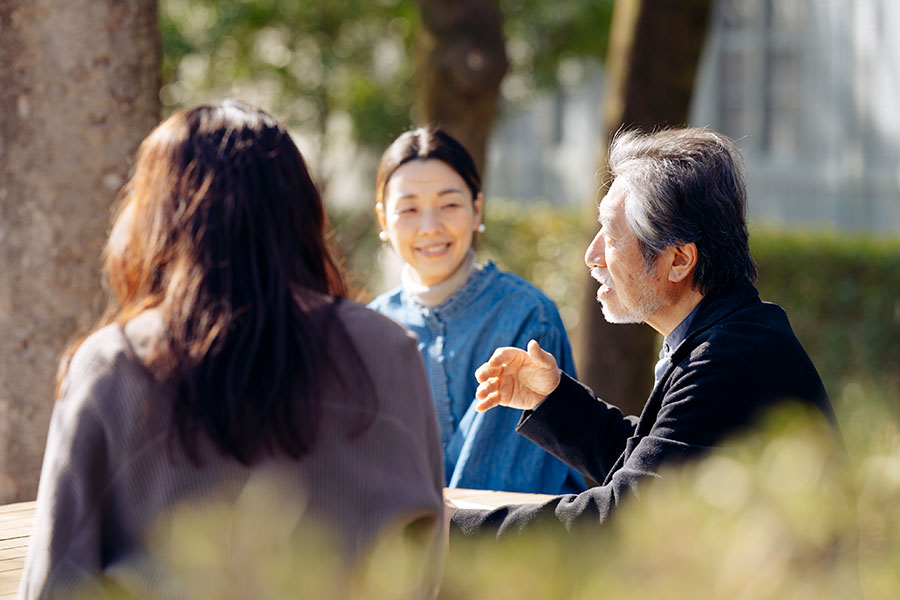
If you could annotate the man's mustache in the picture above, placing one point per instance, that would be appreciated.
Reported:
(602, 276)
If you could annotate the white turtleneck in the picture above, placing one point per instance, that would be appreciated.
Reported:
(437, 294)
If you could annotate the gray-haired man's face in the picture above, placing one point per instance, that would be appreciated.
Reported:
(628, 292)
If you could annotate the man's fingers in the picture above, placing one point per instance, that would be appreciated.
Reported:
(503, 356)
(494, 366)
(488, 394)
(490, 401)
(486, 371)
(540, 357)
(484, 388)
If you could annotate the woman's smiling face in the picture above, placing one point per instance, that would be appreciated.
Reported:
(430, 217)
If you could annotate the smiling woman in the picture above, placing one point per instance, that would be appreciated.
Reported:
(430, 218)
(429, 206)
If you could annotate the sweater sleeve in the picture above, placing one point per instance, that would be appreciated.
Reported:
(64, 553)
(430, 533)
(398, 373)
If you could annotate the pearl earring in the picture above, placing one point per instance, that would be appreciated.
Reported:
(383, 236)
(481, 228)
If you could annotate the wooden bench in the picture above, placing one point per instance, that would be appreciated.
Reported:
(16, 520)
(15, 527)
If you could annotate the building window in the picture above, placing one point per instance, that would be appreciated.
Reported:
(759, 72)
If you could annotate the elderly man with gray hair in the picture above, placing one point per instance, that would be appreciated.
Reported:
(673, 252)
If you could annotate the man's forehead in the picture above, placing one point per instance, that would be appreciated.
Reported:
(612, 204)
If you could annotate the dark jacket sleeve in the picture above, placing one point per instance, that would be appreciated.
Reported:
(576, 427)
(692, 410)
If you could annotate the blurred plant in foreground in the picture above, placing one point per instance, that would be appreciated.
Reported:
(256, 542)
(770, 516)
(781, 513)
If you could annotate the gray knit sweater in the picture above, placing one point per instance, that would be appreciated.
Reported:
(122, 507)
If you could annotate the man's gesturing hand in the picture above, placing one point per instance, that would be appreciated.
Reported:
(516, 378)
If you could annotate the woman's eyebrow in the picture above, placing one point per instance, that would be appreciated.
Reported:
(450, 190)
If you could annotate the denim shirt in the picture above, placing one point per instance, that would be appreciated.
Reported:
(492, 309)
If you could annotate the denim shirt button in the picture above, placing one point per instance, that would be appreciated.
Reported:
(440, 358)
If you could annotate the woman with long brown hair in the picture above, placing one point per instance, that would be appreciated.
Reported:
(229, 354)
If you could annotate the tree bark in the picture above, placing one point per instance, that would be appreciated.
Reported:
(78, 91)
(652, 60)
(460, 62)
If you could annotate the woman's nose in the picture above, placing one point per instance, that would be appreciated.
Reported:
(430, 222)
(593, 256)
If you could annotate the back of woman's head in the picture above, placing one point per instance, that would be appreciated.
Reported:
(427, 143)
(222, 231)
(220, 203)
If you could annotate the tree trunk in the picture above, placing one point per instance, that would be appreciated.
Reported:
(651, 63)
(78, 91)
(461, 60)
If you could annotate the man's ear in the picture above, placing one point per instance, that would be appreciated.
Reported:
(684, 261)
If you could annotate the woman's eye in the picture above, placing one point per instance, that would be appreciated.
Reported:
(407, 211)
(452, 205)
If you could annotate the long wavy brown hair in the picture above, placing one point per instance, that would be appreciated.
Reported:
(222, 231)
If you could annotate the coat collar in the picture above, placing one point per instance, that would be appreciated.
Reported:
(712, 309)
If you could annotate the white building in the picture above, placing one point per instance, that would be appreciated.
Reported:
(809, 90)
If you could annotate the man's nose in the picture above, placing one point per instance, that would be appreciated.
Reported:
(594, 256)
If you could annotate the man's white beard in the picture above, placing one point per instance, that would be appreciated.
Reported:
(648, 302)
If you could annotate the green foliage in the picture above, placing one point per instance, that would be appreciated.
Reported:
(542, 244)
(548, 41)
(841, 295)
(304, 61)
(354, 236)
(774, 516)
(308, 60)
(261, 542)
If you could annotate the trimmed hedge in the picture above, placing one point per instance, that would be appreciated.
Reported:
(842, 294)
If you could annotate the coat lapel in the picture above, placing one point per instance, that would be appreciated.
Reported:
(712, 310)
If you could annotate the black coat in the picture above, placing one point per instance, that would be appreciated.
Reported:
(739, 358)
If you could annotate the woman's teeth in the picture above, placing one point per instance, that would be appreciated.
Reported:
(433, 250)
